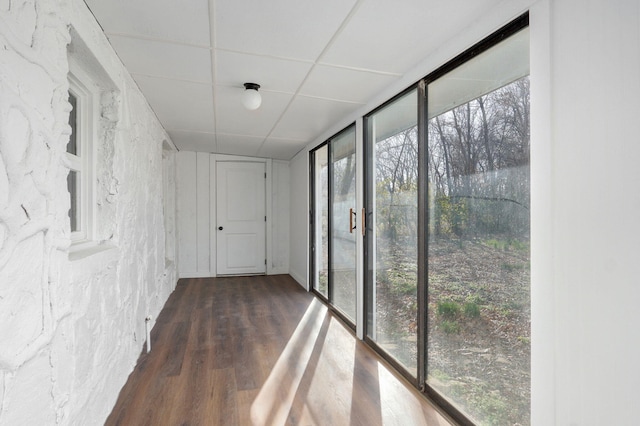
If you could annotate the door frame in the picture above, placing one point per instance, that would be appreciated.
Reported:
(213, 236)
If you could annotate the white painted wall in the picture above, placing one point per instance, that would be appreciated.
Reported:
(299, 234)
(281, 215)
(586, 211)
(196, 213)
(72, 326)
(585, 80)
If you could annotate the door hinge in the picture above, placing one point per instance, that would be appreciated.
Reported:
(265, 261)
(265, 175)
(265, 218)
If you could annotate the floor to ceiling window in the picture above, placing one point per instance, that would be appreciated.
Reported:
(334, 224)
(392, 206)
(478, 347)
(447, 230)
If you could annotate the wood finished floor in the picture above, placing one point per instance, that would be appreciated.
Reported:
(261, 351)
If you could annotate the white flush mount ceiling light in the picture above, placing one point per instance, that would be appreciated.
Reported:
(251, 98)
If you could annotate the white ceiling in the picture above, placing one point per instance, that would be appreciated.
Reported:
(317, 61)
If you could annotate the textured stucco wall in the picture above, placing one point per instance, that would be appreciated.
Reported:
(72, 329)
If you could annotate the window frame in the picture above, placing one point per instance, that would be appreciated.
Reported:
(369, 239)
(418, 380)
(84, 90)
(494, 39)
(313, 244)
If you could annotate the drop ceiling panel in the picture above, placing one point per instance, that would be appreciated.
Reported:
(281, 149)
(345, 84)
(316, 62)
(233, 118)
(179, 105)
(193, 141)
(239, 145)
(307, 117)
(163, 59)
(283, 28)
(394, 36)
(280, 75)
(180, 21)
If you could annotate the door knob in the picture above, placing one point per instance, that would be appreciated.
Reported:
(220, 228)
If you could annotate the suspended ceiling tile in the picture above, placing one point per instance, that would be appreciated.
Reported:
(193, 141)
(345, 84)
(281, 149)
(283, 28)
(394, 36)
(163, 59)
(307, 117)
(233, 118)
(239, 145)
(180, 21)
(281, 75)
(178, 104)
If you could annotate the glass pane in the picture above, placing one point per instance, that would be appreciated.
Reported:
(321, 221)
(392, 227)
(73, 185)
(478, 353)
(72, 147)
(343, 237)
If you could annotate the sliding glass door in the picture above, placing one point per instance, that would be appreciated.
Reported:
(334, 222)
(446, 230)
(342, 182)
(478, 352)
(447, 236)
(392, 229)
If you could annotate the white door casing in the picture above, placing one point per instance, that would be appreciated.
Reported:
(241, 218)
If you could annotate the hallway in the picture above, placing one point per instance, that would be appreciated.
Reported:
(261, 351)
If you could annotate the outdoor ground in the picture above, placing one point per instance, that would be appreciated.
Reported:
(479, 323)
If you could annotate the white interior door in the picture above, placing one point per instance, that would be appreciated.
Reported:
(241, 219)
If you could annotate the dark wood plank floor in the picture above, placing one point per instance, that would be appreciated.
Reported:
(261, 351)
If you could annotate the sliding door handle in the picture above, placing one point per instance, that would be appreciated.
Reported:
(364, 223)
(352, 217)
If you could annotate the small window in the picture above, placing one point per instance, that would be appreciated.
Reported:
(79, 156)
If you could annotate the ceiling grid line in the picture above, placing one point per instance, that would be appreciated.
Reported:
(318, 63)
(156, 39)
(335, 35)
(162, 77)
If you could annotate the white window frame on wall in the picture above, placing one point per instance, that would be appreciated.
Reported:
(86, 94)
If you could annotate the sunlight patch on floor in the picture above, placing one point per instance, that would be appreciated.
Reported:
(332, 381)
(397, 403)
(275, 399)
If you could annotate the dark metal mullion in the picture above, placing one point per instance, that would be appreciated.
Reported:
(423, 248)
(312, 218)
(366, 253)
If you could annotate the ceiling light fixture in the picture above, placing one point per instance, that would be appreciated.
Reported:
(251, 98)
